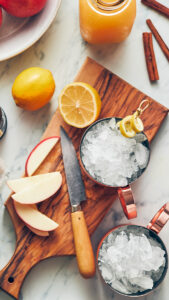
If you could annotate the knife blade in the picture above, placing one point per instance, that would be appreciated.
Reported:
(75, 184)
(76, 190)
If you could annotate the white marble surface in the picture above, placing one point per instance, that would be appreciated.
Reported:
(63, 51)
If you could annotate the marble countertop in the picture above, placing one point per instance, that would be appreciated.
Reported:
(63, 51)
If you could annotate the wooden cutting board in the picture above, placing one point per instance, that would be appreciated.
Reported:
(118, 99)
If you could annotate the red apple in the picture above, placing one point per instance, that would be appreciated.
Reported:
(23, 8)
(39, 153)
(39, 191)
(32, 217)
(0, 16)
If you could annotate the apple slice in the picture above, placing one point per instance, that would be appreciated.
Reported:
(40, 191)
(31, 216)
(17, 185)
(39, 153)
(38, 232)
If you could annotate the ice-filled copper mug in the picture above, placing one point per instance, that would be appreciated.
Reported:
(124, 192)
(152, 230)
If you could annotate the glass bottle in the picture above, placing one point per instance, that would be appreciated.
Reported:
(106, 21)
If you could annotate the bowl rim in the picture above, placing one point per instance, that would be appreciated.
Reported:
(28, 26)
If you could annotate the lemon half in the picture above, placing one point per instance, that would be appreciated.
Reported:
(79, 104)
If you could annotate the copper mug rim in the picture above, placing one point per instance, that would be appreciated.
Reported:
(84, 168)
(154, 227)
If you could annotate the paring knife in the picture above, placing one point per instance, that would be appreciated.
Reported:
(76, 190)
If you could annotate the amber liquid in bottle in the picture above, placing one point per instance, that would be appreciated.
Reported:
(106, 21)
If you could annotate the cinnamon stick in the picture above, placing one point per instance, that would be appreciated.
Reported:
(157, 6)
(150, 56)
(158, 38)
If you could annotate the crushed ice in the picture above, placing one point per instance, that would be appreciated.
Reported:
(130, 260)
(111, 158)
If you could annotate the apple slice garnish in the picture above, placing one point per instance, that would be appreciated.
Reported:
(39, 191)
(17, 185)
(39, 153)
(38, 232)
(31, 216)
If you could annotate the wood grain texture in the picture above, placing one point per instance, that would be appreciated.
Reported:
(83, 247)
(118, 99)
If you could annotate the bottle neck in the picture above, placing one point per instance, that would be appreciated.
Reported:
(109, 5)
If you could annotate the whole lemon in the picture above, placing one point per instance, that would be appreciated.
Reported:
(33, 88)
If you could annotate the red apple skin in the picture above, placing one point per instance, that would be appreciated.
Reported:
(44, 233)
(0, 16)
(23, 8)
(38, 232)
(51, 137)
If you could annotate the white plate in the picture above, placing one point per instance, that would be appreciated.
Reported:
(17, 35)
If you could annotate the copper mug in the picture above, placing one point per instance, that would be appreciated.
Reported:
(3, 123)
(153, 229)
(124, 193)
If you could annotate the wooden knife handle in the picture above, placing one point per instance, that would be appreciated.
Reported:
(83, 246)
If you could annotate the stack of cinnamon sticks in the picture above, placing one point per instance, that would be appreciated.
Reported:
(148, 41)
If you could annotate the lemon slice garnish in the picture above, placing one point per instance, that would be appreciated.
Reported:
(126, 128)
(136, 123)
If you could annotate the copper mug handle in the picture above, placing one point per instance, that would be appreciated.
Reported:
(160, 219)
(127, 202)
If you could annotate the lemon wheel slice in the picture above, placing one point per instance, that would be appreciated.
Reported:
(126, 128)
(137, 123)
(79, 104)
